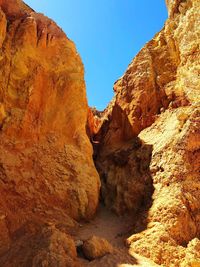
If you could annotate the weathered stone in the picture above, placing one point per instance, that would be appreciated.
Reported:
(157, 100)
(146, 144)
(46, 169)
(45, 153)
(40, 246)
(96, 247)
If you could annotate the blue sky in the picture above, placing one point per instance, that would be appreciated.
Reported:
(107, 34)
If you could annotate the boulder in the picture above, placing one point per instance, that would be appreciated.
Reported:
(96, 247)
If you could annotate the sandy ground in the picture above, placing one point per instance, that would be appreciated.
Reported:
(115, 229)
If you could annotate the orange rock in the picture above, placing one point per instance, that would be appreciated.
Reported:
(157, 101)
(146, 143)
(47, 246)
(46, 169)
(96, 247)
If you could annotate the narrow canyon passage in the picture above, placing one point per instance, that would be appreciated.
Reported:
(114, 229)
(126, 193)
(108, 225)
(145, 157)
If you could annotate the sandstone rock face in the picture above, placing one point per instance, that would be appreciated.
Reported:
(41, 246)
(157, 101)
(146, 143)
(96, 247)
(46, 168)
(126, 182)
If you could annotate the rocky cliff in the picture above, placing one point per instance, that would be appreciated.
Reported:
(146, 148)
(149, 144)
(47, 175)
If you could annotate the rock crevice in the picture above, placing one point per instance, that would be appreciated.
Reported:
(157, 101)
(146, 145)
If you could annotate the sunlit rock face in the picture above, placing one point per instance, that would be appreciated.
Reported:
(157, 101)
(146, 143)
(46, 168)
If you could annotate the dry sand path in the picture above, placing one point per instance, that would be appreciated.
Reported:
(115, 229)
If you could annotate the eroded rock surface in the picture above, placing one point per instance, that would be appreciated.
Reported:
(126, 183)
(157, 101)
(96, 247)
(47, 174)
(41, 245)
(146, 145)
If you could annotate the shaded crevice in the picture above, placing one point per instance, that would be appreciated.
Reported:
(123, 163)
(122, 160)
(127, 185)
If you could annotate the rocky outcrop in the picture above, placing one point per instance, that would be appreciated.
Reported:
(41, 245)
(157, 101)
(146, 145)
(96, 247)
(174, 216)
(126, 183)
(47, 173)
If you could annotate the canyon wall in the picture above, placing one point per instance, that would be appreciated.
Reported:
(146, 143)
(47, 175)
(148, 152)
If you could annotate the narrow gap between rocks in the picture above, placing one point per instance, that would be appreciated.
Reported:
(116, 218)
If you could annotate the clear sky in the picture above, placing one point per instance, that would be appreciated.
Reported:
(107, 34)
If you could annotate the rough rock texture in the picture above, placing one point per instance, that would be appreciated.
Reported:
(157, 101)
(146, 145)
(41, 246)
(96, 247)
(93, 122)
(126, 182)
(46, 169)
(174, 216)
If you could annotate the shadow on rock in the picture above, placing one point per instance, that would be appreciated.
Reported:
(122, 160)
